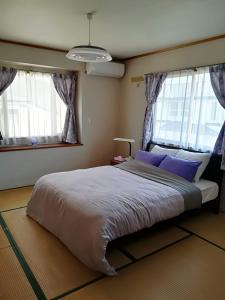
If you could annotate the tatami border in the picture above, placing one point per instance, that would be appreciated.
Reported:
(34, 283)
(133, 261)
(3, 211)
(29, 274)
(200, 237)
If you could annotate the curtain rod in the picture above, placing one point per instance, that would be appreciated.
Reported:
(35, 68)
(186, 69)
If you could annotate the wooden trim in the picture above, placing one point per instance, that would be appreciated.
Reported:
(37, 147)
(32, 45)
(210, 39)
(43, 47)
(37, 68)
(184, 45)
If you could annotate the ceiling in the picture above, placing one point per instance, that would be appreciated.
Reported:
(124, 27)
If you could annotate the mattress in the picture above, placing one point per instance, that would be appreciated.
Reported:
(209, 189)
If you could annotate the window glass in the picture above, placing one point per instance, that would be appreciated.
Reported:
(31, 110)
(187, 112)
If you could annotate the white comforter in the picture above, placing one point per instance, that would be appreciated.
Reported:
(88, 208)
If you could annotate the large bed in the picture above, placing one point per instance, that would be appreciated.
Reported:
(88, 208)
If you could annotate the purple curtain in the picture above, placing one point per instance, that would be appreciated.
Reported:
(7, 76)
(153, 85)
(217, 76)
(65, 85)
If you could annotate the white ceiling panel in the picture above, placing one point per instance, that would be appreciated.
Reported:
(125, 28)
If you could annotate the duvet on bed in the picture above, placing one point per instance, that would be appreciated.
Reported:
(88, 208)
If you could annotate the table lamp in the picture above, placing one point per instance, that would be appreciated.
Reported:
(129, 141)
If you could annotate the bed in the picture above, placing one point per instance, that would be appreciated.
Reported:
(86, 209)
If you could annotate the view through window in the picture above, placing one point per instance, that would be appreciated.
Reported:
(187, 112)
(31, 110)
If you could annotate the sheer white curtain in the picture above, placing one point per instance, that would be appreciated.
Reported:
(31, 110)
(187, 112)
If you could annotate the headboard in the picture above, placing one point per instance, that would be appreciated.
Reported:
(212, 171)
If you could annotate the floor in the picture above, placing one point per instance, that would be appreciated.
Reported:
(182, 260)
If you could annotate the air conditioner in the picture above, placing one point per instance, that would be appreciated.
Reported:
(107, 69)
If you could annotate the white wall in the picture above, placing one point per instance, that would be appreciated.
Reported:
(98, 97)
(133, 103)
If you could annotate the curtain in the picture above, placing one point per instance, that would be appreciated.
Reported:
(31, 111)
(187, 113)
(65, 86)
(217, 76)
(153, 85)
(7, 76)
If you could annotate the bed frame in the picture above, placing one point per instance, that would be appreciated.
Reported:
(212, 172)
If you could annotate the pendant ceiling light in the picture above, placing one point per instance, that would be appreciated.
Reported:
(89, 53)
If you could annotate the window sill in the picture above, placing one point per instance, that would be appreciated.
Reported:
(37, 147)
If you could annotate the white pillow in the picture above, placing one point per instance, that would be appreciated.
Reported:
(203, 157)
(160, 150)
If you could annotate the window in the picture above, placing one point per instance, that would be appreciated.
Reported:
(187, 112)
(31, 110)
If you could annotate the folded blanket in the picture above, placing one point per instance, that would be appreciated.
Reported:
(191, 194)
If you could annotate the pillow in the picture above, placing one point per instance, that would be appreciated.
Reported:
(181, 167)
(201, 157)
(149, 158)
(160, 150)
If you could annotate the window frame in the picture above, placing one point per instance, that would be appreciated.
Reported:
(173, 74)
(40, 69)
(37, 146)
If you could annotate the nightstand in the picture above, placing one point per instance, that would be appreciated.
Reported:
(116, 162)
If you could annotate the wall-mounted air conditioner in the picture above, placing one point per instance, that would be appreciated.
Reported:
(108, 69)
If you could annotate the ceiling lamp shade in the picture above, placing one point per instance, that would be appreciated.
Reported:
(89, 53)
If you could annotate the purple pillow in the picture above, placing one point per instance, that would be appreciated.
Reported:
(149, 157)
(181, 167)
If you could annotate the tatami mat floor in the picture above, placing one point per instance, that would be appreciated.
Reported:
(14, 198)
(177, 261)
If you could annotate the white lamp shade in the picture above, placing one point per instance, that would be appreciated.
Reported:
(124, 140)
(89, 54)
